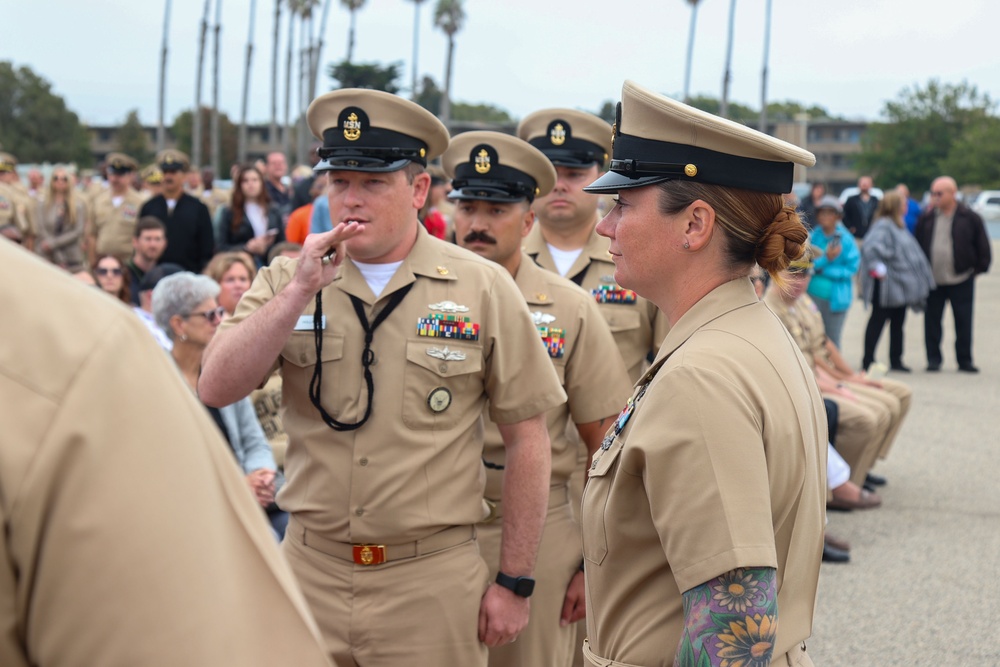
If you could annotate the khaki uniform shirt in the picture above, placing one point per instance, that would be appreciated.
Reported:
(638, 325)
(803, 321)
(130, 537)
(13, 210)
(721, 465)
(112, 227)
(415, 467)
(585, 357)
(215, 198)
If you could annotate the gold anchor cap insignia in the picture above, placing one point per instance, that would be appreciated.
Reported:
(352, 127)
(557, 135)
(690, 170)
(482, 162)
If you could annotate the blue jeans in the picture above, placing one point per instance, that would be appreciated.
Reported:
(832, 322)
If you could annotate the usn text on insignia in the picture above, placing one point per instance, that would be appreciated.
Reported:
(446, 354)
(541, 318)
(448, 307)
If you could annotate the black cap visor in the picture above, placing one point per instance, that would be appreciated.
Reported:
(485, 193)
(612, 182)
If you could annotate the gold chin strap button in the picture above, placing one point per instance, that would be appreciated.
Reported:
(690, 170)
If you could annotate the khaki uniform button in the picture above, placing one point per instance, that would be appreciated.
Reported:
(443, 368)
(363, 461)
(359, 511)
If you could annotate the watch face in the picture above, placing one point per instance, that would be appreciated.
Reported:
(525, 586)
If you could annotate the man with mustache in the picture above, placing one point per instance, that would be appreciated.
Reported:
(390, 343)
(496, 177)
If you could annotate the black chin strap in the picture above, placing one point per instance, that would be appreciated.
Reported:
(367, 356)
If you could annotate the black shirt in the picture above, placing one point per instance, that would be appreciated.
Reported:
(190, 238)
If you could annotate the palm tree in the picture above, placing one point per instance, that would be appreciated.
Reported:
(161, 134)
(352, 6)
(687, 68)
(317, 50)
(286, 134)
(728, 74)
(216, 149)
(763, 75)
(273, 132)
(196, 130)
(450, 17)
(241, 151)
(416, 45)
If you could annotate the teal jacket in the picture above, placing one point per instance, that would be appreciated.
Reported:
(832, 280)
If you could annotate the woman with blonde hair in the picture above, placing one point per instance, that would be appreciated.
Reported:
(234, 271)
(61, 219)
(895, 275)
(706, 498)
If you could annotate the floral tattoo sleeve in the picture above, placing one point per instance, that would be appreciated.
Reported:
(730, 621)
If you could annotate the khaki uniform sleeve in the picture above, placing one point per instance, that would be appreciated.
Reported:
(596, 382)
(267, 283)
(706, 476)
(520, 380)
(135, 538)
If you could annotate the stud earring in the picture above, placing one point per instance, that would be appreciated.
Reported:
(184, 337)
(686, 245)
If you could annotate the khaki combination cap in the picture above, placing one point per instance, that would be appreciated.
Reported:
(658, 139)
(371, 130)
(120, 163)
(172, 160)
(568, 138)
(152, 175)
(493, 166)
(7, 162)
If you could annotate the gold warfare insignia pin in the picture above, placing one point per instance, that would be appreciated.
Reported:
(352, 127)
(558, 135)
(482, 163)
(614, 131)
(690, 170)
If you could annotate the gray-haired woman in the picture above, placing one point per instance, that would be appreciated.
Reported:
(185, 307)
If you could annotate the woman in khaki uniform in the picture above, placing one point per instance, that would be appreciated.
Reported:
(703, 515)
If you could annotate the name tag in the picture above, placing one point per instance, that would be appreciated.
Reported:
(305, 323)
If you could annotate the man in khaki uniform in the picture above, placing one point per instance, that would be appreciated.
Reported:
(16, 205)
(390, 343)
(496, 177)
(703, 514)
(114, 212)
(565, 240)
(871, 412)
(129, 536)
(152, 182)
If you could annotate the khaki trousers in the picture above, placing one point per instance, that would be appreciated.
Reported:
(415, 611)
(861, 431)
(904, 395)
(543, 643)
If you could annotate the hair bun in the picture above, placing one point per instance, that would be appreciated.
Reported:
(783, 241)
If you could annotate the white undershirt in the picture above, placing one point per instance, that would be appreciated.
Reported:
(377, 275)
(171, 203)
(257, 218)
(563, 258)
(117, 200)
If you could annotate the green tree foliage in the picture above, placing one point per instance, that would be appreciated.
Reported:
(430, 96)
(132, 139)
(366, 75)
(35, 124)
(974, 158)
(183, 130)
(607, 111)
(483, 113)
(923, 127)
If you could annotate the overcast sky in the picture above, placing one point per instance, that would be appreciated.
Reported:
(848, 56)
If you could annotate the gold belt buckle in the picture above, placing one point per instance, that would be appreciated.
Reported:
(492, 516)
(369, 554)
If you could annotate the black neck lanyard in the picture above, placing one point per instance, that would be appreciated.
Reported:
(367, 356)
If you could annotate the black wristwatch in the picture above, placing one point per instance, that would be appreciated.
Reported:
(523, 586)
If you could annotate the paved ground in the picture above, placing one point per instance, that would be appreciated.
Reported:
(923, 587)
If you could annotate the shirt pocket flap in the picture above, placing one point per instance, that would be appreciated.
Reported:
(604, 459)
(621, 318)
(300, 350)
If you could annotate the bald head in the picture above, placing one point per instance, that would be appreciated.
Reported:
(943, 191)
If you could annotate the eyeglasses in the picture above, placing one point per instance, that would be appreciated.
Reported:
(101, 271)
(937, 193)
(60, 179)
(214, 316)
